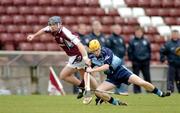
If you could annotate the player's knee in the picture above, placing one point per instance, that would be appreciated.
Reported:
(98, 94)
(61, 77)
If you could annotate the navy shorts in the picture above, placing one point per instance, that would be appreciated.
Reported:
(121, 75)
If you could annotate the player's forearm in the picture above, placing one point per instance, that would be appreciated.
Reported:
(83, 51)
(40, 32)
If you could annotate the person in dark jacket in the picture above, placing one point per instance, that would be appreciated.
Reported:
(139, 52)
(95, 34)
(168, 50)
(116, 43)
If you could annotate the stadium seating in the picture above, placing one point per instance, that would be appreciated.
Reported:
(52, 47)
(19, 2)
(22, 17)
(19, 19)
(2, 10)
(39, 46)
(6, 2)
(32, 2)
(56, 2)
(25, 46)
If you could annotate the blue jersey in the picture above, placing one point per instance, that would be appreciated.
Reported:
(116, 73)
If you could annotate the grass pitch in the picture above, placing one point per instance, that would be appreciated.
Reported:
(140, 103)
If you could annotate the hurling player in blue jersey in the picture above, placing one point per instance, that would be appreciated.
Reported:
(103, 59)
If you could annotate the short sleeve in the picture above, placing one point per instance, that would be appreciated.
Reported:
(47, 29)
(72, 37)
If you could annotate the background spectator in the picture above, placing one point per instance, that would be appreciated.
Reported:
(139, 52)
(116, 43)
(168, 51)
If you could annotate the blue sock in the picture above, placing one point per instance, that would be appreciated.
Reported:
(113, 101)
(157, 92)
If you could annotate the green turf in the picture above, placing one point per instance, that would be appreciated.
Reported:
(141, 103)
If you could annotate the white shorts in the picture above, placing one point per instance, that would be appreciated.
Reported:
(74, 63)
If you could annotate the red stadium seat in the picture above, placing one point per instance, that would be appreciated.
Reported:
(26, 29)
(157, 54)
(31, 2)
(2, 10)
(113, 12)
(2, 29)
(89, 11)
(44, 2)
(74, 28)
(50, 10)
(43, 20)
(170, 20)
(24, 10)
(69, 20)
(39, 47)
(151, 11)
(92, 18)
(105, 29)
(6, 38)
(9, 47)
(12, 29)
(100, 12)
(56, 2)
(143, 3)
(25, 46)
(178, 21)
(149, 37)
(82, 19)
(155, 47)
(168, 3)
(174, 12)
(159, 39)
(153, 57)
(38, 10)
(177, 3)
(6, 2)
(46, 38)
(52, 47)
(93, 3)
(19, 37)
(131, 3)
(155, 62)
(81, 2)
(18, 19)
(119, 20)
(12, 10)
(107, 20)
(163, 12)
(126, 38)
(75, 11)
(132, 21)
(32, 19)
(69, 2)
(37, 28)
(19, 2)
(156, 3)
(6, 19)
(89, 29)
(63, 11)
(151, 30)
(128, 29)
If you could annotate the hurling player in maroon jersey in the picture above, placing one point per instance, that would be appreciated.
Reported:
(75, 50)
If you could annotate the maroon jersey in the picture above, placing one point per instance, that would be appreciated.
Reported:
(66, 40)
